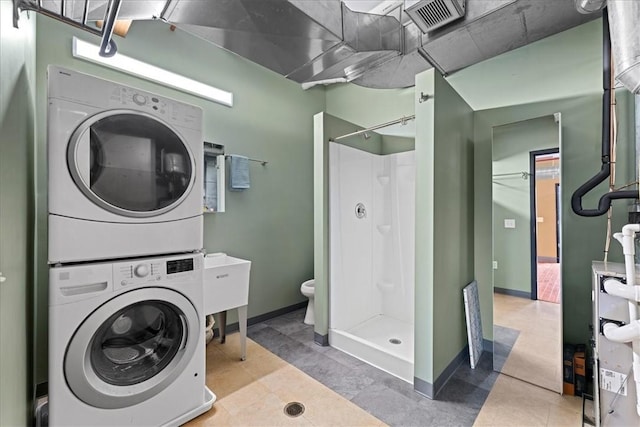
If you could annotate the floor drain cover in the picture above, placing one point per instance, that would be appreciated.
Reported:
(294, 409)
(395, 341)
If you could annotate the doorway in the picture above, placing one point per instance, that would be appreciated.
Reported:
(527, 333)
(544, 192)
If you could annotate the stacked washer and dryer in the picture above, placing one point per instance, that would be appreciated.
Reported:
(126, 322)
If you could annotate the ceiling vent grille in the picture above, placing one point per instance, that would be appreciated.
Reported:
(431, 14)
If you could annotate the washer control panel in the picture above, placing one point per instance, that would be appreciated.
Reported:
(148, 271)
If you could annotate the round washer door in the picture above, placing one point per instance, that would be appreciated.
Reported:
(132, 347)
(130, 163)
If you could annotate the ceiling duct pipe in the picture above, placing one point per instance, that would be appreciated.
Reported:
(625, 39)
(605, 170)
(589, 6)
(306, 41)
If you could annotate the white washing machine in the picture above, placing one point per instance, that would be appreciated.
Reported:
(126, 343)
(125, 171)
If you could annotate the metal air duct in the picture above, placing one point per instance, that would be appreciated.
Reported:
(95, 9)
(589, 6)
(431, 14)
(313, 41)
(306, 41)
(624, 22)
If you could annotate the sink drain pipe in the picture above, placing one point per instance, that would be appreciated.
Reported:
(605, 201)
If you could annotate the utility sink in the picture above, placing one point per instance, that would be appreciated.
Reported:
(226, 282)
(226, 286)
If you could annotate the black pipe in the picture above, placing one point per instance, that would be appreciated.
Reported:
(605, 171)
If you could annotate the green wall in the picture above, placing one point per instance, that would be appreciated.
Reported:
(369, 107)
(270, 224)
(560, 66)
(453, 222)
(397, 144)
(17, 86)
(425, 246)
(511, 197)
(582, 238)
(444, 225)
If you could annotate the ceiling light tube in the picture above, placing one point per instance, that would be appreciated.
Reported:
(89, 52)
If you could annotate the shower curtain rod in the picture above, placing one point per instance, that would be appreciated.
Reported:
(402, 120)
(523, 174)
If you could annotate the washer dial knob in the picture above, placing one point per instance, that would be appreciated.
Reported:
(141, 270)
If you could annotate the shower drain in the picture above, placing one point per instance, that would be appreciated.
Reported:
(395, 341)
(293, 409)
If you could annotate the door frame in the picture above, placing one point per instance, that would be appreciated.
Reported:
(533, 222)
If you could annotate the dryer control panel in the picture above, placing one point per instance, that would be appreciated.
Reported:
(78, 87)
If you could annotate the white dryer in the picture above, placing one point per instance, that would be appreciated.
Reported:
(126, 343)
(125, 171)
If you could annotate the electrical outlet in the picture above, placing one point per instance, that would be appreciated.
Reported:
(509, 223)
(495, 265)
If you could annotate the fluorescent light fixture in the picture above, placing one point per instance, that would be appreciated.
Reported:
(89, 52)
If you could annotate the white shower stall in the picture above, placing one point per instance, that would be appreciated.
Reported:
(372, 257)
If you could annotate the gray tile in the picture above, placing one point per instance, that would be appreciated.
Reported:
(256, 327)
(292, 350)
(338, 377)
(287, 325)
(482, 376)
(503, 340)
(344, 358)
(376, 374)
(498, 362)
(312, 360)
(449, 413)
(462, 392)
(304, 335)
(404, 388)
(267, 337)
(391, 407)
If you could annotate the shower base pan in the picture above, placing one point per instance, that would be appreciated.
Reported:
(381, 341)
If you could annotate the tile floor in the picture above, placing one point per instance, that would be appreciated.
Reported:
(284, 364)
(536, 355)
(549, 282)
(515, 403)
(254, 392)
(384, 396)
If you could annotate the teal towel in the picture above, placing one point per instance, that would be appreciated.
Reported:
(239, 179)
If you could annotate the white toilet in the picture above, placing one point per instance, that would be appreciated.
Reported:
(308, 290)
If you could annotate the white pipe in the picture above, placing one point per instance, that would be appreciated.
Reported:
(618, 237)
(622, 334)
(628, 248)
(619, 289)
